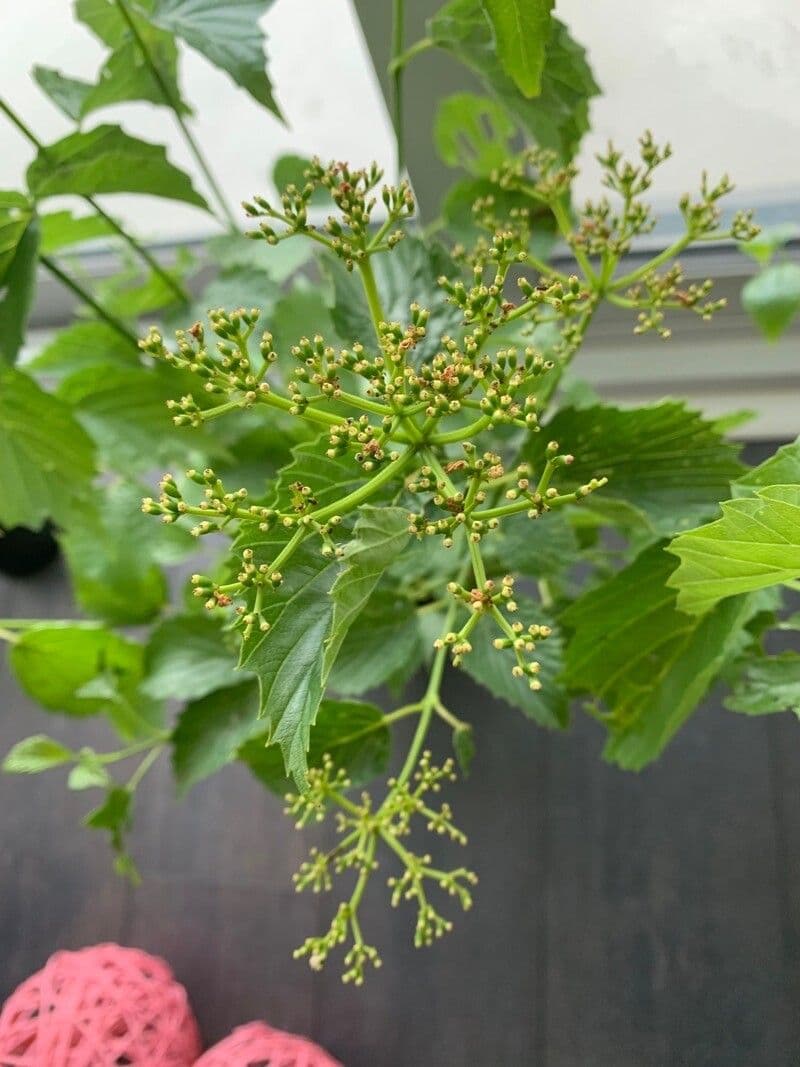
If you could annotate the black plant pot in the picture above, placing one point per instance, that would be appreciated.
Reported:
(24, 552)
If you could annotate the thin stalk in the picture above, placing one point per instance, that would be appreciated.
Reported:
(144, 767)
(565, 226)
(87, 298)
(364, 492)
(398, 39)
(634, 276)
(193, 146)
(131, 241)
(371, 293)
(402, 60)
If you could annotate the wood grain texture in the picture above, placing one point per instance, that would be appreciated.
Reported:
(621, 920)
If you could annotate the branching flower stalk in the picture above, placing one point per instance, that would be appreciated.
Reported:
(412, 421)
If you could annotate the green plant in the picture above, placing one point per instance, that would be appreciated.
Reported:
(446, 498)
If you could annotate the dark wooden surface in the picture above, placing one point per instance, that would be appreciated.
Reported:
(621, 921)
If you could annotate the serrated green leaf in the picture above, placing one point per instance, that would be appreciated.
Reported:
(651, 665)
(329, 479)
(781, 469)
(82, 345)
(17, 290)
(663, 459)
(54, 663)
(46, 458)
(16, 213)
(491, 668)
(754, 545)
(234, 252)
(352, 734)
(124, 410)
(108, 160)
(68, 94)
(211, 730)
(379, 536)
(62, 229)
(538, 548)
(409, 274)
(113, 552)
(473, 132)
(521, 31)
(127, 74)
(772, 298)
(382, 642)
(559, 116)
(188, 657)
(769, 684)
(36, 754)
(228, 35)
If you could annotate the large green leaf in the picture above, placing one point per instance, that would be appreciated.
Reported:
(19, 249)
(772, 298)
(538, 548)
(664, 459)
(492, 668)
(559, 116)
(83, 345)
(783, 468)
(410, 273)
(188, 657)
(379, 536)
(62, 229)
(768, 684)
(651, 665)
(754, 545)
(54, 663)
(68, 94)
(521, 30)
(108, 160)
(352, 734)
(46, 458)
(228, 35)
(473, 132)
(384, 642)
(211, 730)
(329, 479)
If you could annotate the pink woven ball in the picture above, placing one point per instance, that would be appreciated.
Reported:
(258, 1045)
(100, 1007)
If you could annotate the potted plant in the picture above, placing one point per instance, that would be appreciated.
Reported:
(407, 476)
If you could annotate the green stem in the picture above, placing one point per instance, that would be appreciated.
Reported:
(148, 761)
(364, 492)
(134, 749)
(450, 718)
(89, 300)
(634, 276)
(464, 433)
(371, 292)
(8, 635)
(398, 38)
(166, 92)
(420, 46)
(565, 226)
(476, 560)
(139, 249)
(522, 505)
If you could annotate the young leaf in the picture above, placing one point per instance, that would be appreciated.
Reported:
(379, 536)
(291, 170)
(473, 132)
(537, 548)
(772, 298)
(16, 213)
(228, 35)
(764, 245)
(62, 229)
(188, 657)
(755, 544)
(211, 730)
(650, 664)
(352, 734)
(17, 289)
(383, 642)
(769, 684)
(663, 459)
(492, 667)
(464, 747)
(35, 754)
(521, 30)
(114, 816)
(559, 116)
(68, 94)
(288, 660)
(46, 458)
(88, 773)
(54, 663)
(108, 160)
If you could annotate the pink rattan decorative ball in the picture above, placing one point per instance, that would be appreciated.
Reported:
(100, 1007)
(258, 1045)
